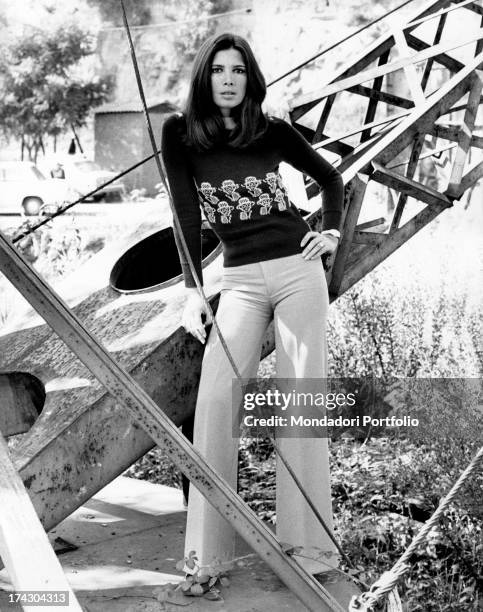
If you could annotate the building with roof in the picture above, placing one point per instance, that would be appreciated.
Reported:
(122, 140)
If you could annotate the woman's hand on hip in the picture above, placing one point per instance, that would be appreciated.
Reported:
(316, 244)
(191, 319)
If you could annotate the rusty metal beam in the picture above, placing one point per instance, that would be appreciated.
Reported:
(319, 130)
(431, 153)
(410, 170)
(479, 44)
(369, 238)
(446, 132)
(441, 13)
(415, 88)
(360, 159)
(368, 224)
(367, 259)
(468, 180)
(457, 108)
(324, 144)
(380, 96)
(24, 546)
(464, 136)
(334, 145)
(444, 59)
(354, 194)
(406, 185)
(475, 8)
(436, 40)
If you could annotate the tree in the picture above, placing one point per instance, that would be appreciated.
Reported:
(193, 26)
(137, 11)
(48, 85)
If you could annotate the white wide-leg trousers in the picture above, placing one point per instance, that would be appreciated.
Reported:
(294, 292)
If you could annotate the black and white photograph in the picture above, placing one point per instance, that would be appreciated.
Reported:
(241, 300)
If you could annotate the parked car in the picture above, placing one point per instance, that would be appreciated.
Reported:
(84, 175)
(25, 189)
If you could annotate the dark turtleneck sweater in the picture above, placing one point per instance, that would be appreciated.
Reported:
(242, 194)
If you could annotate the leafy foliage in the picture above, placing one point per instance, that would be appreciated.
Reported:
(382, 493)
(137, 11)
(48, 85)
(200, 580)
(55, 251)
(377, 331)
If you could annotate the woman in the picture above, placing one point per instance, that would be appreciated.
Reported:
(223, 153)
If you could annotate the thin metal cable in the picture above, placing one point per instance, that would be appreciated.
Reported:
(339, 42)
(62, 210)
(388, 581)
(181, 22)
(200, 288)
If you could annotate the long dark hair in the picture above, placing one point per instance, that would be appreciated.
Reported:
(204, 122)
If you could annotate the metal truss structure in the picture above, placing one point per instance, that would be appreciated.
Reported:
(382, 139)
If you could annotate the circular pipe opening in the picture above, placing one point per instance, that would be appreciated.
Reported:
(24, 399)
(153, 263)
